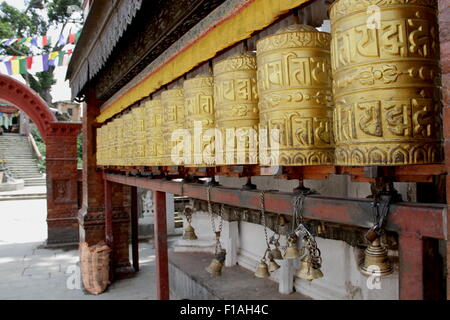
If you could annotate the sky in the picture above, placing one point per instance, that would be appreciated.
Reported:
(61, 90)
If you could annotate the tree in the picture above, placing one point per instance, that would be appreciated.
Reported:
(35, 20)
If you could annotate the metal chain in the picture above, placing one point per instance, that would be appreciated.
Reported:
(213, 224)
(380, 210)
(263, 214)
(310, 242)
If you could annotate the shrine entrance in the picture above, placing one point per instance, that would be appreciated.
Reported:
(61, 160)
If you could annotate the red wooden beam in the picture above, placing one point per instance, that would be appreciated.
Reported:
(424, 219)
(134, 228)
(162, 263)
(411, 258)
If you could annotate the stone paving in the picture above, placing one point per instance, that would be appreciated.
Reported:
(29, 271)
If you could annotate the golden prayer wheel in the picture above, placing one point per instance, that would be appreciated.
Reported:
(118, 149)
(199, 112)
(139, 135)
(128, 139)
(237, 113)
(294, 82)
(173, 114)
(100, 157)
(154, 148)
(111, 145)
(385, 62)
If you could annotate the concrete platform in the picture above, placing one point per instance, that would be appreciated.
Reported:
(188, 279)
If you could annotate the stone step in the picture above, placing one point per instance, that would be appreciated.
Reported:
(32, 196)
(35, 184)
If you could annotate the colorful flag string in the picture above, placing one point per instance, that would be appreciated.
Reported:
(39, 63)
(42, 41)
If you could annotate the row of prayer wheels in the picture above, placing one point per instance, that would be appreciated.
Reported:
(368, 94)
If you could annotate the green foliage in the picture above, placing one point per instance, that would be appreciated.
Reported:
(29, 23)
(58, 10)
(80, 150)
(41, 147)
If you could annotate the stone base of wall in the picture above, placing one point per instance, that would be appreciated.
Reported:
(190, 280)
(60, 237)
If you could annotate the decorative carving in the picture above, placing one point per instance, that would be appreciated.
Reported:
(61, 191)
(386, 83)
(294, 82)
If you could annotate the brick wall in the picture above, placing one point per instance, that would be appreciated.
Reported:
(444, 34)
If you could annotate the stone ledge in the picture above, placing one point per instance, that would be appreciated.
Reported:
(189, 280)
(12, 186)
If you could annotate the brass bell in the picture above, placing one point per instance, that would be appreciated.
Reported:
(308, 271)
(292, 250)
(216, 265)
(189, 233)
(276, 253)
(273, 266)
(215, 268)
(262, 270)
(376, 261)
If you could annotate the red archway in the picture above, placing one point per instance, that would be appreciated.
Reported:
(61, 159)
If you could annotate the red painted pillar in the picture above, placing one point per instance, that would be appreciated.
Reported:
(134, 228)
(411, 277)
(162, 263)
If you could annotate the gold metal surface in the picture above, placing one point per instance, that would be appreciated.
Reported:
(118, 147)
(154, 147)
(294, 85)
(128, 139)
(376, 261)
(262, 270)
(308, 271)
(236, 107)
(173, 119)
(199, 113)
(139, 136)
(292, 251)
(215, 267)
(100, 155)
(386, 75)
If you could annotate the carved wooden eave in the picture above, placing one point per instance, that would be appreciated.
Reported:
(105, 24)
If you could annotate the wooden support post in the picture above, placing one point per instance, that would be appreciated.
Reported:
(162, 263)
(411, 275)
(109, 225)
(135, 228)
(108, 214)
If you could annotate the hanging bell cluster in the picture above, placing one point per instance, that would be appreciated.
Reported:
(311, 262)
(189, 231)
(263, 269)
